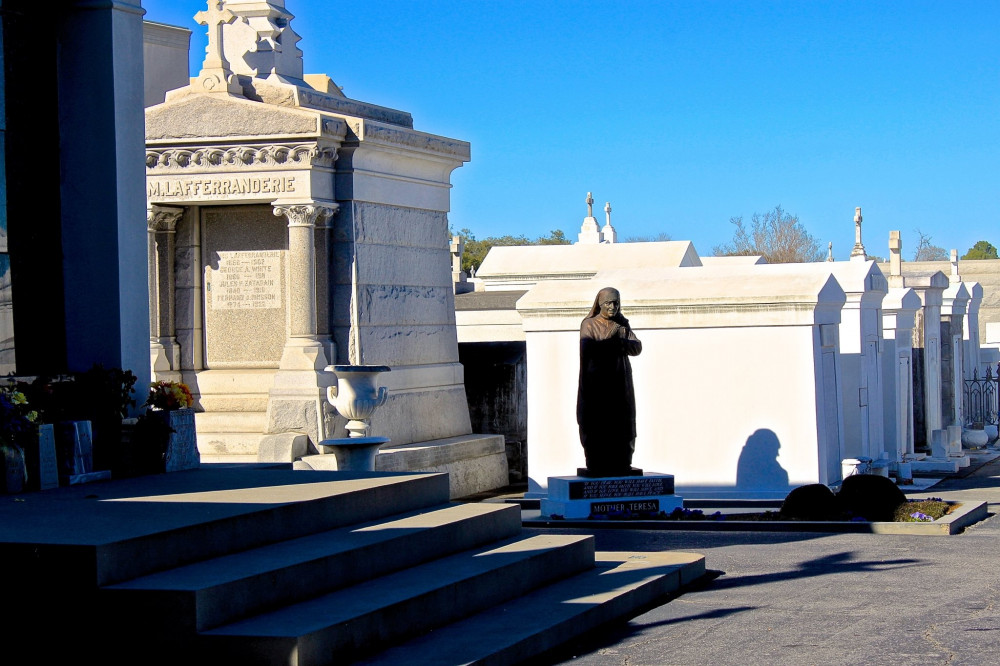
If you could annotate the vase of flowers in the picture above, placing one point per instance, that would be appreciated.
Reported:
(170, 404)
(17, 427)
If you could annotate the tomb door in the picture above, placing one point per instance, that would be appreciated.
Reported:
(904, 406)
(244, 254)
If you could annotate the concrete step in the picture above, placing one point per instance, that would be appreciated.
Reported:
(343, 625)
(229, 443)
(284, 505)
(230, 422)
(621, 585)
(252, 381)
(203, 595)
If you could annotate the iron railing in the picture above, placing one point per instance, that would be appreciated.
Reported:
(979, 399)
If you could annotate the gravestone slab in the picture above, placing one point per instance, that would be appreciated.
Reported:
(48, 465)
(575, 497)
(244, 250)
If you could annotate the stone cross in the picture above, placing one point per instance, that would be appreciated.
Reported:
(608, 233)
(590, 204)
(895, 253)
(607, 211)
(457, 247)
(829, 251)
(858, 251)
(215, 75)
(954, 267)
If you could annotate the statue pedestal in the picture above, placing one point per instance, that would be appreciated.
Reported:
(576, 497)
(353, 453)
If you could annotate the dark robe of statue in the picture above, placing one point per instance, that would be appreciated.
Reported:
(605, 404)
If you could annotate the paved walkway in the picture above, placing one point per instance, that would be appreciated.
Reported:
(784, 598)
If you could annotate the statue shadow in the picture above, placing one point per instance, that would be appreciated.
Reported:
(758, 467)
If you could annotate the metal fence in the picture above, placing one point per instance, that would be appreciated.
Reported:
(980, 397)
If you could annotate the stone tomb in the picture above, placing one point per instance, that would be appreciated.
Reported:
(293, 228)
(737, 388)
(575, 497)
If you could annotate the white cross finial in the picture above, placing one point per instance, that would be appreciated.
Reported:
(858, 252)
(590, 204)
(215, 75)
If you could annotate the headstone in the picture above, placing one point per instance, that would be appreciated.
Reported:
(576, 497)
(939, 443)
(75, 449)
(48, 463)
(590, 233)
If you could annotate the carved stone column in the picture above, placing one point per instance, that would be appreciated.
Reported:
(161, 225)
(302, 221)
(296, 403)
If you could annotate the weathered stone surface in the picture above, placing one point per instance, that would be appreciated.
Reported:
(394, 345)
(283, 447)
(204, 116)
(392, 225)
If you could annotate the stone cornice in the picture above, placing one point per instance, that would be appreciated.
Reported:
(245, 156)
(378, 133)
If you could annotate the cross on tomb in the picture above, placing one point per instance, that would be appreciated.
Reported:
(858, 252)
(215, 74)
(590, 204)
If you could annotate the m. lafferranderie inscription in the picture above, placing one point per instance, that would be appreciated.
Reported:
(212, 187)
(247, 280)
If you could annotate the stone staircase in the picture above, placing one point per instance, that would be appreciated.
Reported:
(235, 412)
(333, 567)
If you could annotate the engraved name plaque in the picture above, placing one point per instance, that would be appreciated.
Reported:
(635, 486)
(247, 280)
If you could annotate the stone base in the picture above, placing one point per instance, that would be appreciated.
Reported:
(283, 447)
(576, 497)
(474, 463)
(935, 465)
(584, 472)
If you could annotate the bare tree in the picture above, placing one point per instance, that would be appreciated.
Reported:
(776, 235)
(926, 251)
(651, 238)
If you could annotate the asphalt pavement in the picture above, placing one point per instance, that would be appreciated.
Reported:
(808, 598)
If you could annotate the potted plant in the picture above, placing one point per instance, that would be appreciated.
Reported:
(170, 404)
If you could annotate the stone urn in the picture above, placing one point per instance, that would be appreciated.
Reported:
(975, 438)
(356, 395)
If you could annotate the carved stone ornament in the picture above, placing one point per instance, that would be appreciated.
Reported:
(226, 157)
(162, 219)
(306, 215)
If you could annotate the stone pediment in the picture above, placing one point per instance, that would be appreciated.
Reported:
(200, 116)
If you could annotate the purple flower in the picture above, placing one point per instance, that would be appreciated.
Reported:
(920, 517)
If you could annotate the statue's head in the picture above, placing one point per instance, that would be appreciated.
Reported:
(609, 301)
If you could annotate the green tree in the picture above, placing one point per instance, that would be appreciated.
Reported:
(776, 235)
(927, 251)
(981, 250)
(476, 250)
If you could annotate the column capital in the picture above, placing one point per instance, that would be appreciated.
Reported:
(305, 214)
(163, 218)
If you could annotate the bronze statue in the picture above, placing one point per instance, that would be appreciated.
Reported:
(605, 404)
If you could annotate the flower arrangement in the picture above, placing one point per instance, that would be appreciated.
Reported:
(16, 417)
(167, 395)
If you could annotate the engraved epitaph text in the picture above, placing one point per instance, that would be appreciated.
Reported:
(247, 280)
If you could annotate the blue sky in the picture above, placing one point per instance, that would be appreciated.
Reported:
(685, 114)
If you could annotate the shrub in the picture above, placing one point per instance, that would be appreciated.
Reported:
(871, 497)
(812, 502)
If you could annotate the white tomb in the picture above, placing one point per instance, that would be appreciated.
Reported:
(737, 388)
(899, 310)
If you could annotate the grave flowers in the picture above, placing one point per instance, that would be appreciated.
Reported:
(17, 426)
(169, 420)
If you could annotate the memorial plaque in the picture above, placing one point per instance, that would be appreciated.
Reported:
(246, 288)
(651, 507)
(635, 486)
(247, 280)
